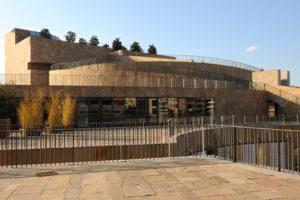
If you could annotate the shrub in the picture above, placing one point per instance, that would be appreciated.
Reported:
(68, 110)
(44, 33)
(54, 109)
(106, 45)
(152, 49)
(94, 41)
(7, 93)
(70, 37)
(8, 96)
(82, 41)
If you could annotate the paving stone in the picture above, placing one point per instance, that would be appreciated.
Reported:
(149, 172)
(161, 180)
(53, 194)
(269, 195)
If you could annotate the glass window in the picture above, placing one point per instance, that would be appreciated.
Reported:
(94, 110)
(107, 110)
(182, 110)
(130, 109)
(141, 109)
(119, 109)
(210, 106)
(82, 114)
(163, 109)
(200, 106)
(191, 108)
(152, 109)
(173, 107)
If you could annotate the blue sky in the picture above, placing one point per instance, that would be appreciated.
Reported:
(264, 33)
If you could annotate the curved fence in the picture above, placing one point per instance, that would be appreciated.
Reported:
(275, 149)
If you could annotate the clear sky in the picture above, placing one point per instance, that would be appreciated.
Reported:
(264, 33)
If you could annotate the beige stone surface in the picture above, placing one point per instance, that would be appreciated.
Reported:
(163, 179)
(271, 77)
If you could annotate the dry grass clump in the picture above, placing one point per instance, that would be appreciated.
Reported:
(54, 109)
(61, 109)
(31, 111)
(68, 110)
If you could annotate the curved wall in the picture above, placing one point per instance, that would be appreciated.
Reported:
(128, 71)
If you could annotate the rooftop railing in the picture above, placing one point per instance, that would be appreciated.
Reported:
(168, 58)
(156, 81)
(216, 61)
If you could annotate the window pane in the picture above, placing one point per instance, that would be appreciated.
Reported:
(152, 109)
(191, 109)
(163, 109)
(200, 106)
(182, 110)
(141, 109)
(210, 106)
(130, 109)
(119, 109)
(94, 111)
(173, 107)
(107, 110)
(82, 114)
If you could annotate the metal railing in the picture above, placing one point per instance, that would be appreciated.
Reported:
(216, 61)
(155, 80)
(277, 149)
(152, 58)
(276, 91)
(140, 81)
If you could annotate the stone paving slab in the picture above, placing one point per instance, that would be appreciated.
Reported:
(157, 179)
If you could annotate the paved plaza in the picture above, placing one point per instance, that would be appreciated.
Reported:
(153, 179)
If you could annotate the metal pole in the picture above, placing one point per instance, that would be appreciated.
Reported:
(278, 152)
(203, 143)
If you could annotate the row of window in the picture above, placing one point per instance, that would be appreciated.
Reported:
(142, 109)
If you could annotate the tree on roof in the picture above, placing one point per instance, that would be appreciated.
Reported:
(82, 41)
(117, 45)
(135, 46)
(45, 33)
(94, 41)
(152, 49)
(71, 36)
(106, 45)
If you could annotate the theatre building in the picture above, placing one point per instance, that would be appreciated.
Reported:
(138, 87)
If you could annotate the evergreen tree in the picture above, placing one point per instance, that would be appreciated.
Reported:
(152, 49)
(94, 41)
(135, 46)
(44, 33)
(70, 37)
(117, 45)
(82, 41)
(106, 45)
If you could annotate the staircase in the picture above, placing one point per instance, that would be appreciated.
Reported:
(287, 97)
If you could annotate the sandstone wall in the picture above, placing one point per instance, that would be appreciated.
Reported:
(285, 78)
(270, 77)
